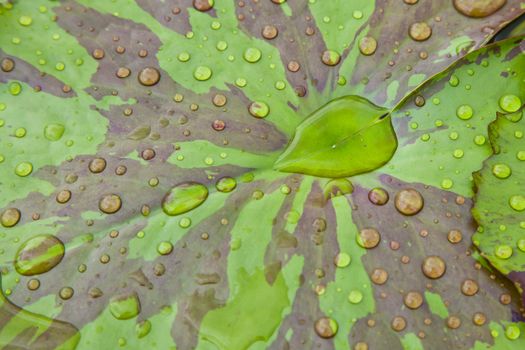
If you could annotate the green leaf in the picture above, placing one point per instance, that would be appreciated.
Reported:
(500, 201)
(440, 146)
(345, 137)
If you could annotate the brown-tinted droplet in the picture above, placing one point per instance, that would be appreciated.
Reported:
(110, 204)
(413, 300)
(505, 299)
(453, 322)
(368, 238)
(479, 319)
(143, 53)
(97, 165)
(203, 5)
(433, 267)
(379, 276)
(410, 2)
(270, 32)
(159, 269)
(293, 66)
(148, 154)
(95, 292)
(66, 293)
(10, 217)
(319, 224)
(123, 72)
(478, 8)
(219, 100)
(7, 64)
(378, 196)
(419, 101)
(63, 196)
(149, 76)
(218, 125)
(121, 170)
(367, 45)
(398, 323)
(330, 58)
(33, 284)
(408, 201)
(454, 236)
(326, 327)
(361, 346)
(420, 31)
(98, 54)
(469, 287)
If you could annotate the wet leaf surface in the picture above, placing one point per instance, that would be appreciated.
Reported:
(140, 207)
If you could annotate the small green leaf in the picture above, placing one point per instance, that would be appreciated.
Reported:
(345, 137)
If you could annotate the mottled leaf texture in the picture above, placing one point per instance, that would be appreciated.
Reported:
(500, 199)
(142, 208)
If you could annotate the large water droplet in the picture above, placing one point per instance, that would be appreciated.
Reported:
(184, 197)
(478, 8)
(53, 132)
(38, 255)
(124, 307)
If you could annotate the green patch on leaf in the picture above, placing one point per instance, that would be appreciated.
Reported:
(345, 137)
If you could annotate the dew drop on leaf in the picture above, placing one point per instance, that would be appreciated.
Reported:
(125, 306)
(10, 217)
(478, 8)
(38, 255)
(501, 171)
(183, 198)
(510, 103)
(326, 327)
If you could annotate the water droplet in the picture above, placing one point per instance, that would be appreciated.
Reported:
(149, 76)
(7, 65)
(408, 202)
(464, 112)
(270, 32)
(326, 327)
(368, 238)
(378, 196)
(10, 217)
(66, 293)
(420, 31)
(184, 197)
(433, 267)
(501, 171)
(38, 255)
(142, 328)
(398, 323)
(252, 55)
(517, 202)
(355, 297)
(98, 54)
(503, 251)
(25, 20)
(367, 45)
(413, 300)
(357, 14)
(259, 109)
(24, 169)
(512, 332)
(54, 132)
(379, 276)
(342, 260)
(97, 165)
(203, 5)
(226, 184)
(165, 248)
(330, 58)
(110, 204)
(15, 88)
(202, 73)
(453, 322)
(125, 306)
(479, 319)
(454, 236)
(478, 8)
(184, 56)
(510, 103)
(219, 100)
(469, 287)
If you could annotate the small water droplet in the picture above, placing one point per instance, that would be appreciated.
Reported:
(183, 198)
